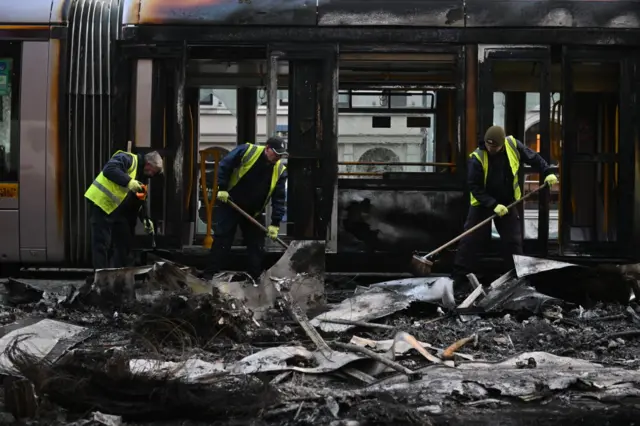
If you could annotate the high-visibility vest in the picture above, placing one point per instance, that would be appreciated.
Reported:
(248, 160)
(109, 195)
(514, 161)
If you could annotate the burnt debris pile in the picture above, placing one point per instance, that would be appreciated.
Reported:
(546, 341)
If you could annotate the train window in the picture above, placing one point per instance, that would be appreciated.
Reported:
(9, 104)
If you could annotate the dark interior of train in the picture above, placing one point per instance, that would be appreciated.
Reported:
(404, 190)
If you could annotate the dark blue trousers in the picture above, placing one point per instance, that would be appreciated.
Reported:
(225, 223)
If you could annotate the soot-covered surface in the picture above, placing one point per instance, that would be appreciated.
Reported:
(183, 334)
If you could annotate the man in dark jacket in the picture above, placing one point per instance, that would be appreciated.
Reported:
(493, 180)
(249, 175)
(115, 205)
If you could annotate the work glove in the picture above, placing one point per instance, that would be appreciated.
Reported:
(134, 186)
(148, 226)
(272, 232)
(223, 196)
(551, 180)
(501, 210)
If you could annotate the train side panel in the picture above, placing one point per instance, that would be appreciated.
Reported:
(31, 204)
(26, 12)
(33, 151)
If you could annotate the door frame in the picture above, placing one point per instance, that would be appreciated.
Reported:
(625, 156)
(541, 55)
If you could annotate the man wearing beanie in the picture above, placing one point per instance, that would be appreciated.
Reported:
(492, 177)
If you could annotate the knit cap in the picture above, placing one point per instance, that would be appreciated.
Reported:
(495, 136)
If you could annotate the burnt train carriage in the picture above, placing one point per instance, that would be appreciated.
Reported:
(84, 77)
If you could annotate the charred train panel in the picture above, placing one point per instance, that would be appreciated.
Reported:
(94, 25)
(380, 220)
(225, 12)
(553, 13)
(435, 13)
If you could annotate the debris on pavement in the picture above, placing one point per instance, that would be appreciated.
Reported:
(382, 299)
(156, 344)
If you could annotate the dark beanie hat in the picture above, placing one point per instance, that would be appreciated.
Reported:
(495, 136)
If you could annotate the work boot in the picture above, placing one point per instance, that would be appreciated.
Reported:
(461, 286)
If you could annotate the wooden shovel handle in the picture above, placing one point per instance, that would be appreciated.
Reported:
(484, 222)
(254, 221)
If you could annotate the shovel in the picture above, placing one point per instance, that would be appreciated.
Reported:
(255, 222)
(421, 265)
(299, 256)
(300, 270)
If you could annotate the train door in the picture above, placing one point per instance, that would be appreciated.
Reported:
(597, 152)
(514, 92)
(162, 112)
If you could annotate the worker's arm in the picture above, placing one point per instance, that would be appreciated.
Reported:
(228, 164)
(532, 158)
(475, 181)
(278, 200)
(116, 169)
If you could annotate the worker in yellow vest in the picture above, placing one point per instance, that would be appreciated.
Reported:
(493, 181)
(249, 175)
(114, 206)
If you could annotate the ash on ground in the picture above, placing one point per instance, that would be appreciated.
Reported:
(167, 348)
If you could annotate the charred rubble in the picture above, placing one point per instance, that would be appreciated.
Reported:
(547, 342)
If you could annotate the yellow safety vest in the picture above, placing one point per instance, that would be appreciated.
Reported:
(514, 161)
(248, 160)
(108, 195)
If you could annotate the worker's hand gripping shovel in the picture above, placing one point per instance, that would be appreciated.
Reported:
(254, 221)
(421, 265)
(148, 224)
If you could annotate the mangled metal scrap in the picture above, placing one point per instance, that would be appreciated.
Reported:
(383, 299)
(279, 359)
(19, 292)
(375, 303)
(400, 347)
(575, 283)
(116, 286)
(510, 293)
(40, 338)
(429, 289)
(299, 272)
(542, 285)
(509, 379)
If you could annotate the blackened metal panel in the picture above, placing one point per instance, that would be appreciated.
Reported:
(220, 12)
(627, 121)
(635, 136)
(545, 152)
(329, 121)
(175, 161)
(312, 139)
(553, 13)
(433, 13)
(247, 34)
(304, 148)
(396, 221)
(565, 213)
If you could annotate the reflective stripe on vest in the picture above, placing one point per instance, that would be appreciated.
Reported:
(248, 160)
(514, 161)
(109, 195)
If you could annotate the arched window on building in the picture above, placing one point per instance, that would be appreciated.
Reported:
(379, 155)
